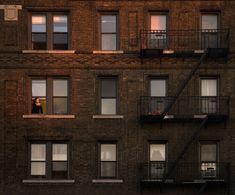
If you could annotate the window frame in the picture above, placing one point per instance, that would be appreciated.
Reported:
(49, 93)
(49, 29)
(49, 159)
(100, 161)
(100, 78)
(109, 13)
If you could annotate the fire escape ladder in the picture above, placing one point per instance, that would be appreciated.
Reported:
(183, 85)
(185, 148)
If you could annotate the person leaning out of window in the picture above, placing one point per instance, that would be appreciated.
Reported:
(36, 106)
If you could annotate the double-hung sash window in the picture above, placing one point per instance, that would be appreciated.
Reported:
(49, 160)
(157, 160)
(109, 34)
(108, 102)
(52, 94)
(108, 160)
(49, 31)
(208, 154)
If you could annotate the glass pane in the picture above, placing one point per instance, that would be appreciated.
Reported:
(158, 22)
(108, 88)
(60, 105)
(38, 109)
(109, 42)
(59, 152)
(210, 21)
(38, 88)
(108, 152)
(209, 87)
(60, 88)
(158, 88)
(60, 41)
(108, 106)
(108, 169)
(38, 152)
(38, 168)
(59, 166)
(208, 152)
(38, 23)
(60, 23)
(157, 152)
(157, 170)
(108, 24)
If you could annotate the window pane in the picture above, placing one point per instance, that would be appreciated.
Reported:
(158, 22)
(109, 42)
(209, 87)
(59, 166)
(108, 88)
(59, 152)
(60, 88)
(209, 21)
(60, 41)
(38, 152)
(108, 106)
(38, 168)
(158, 88)
(157, 152)
(208, 152)
(38, 23)
(108, 169)
(38, 88)
(60, 105)
(108, 24)
(60, 23)
(108, 152)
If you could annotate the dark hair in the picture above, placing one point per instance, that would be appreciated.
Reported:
(35, 99)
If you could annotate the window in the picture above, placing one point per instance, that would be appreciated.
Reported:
(49, 31)
(208, 157)
(108, 99)
(52, 94)
(209, 95)
(157, 160)
(158, 27)
(209, 26)
(108, 160)
(158, 94)
(49, 160)
(109, 34)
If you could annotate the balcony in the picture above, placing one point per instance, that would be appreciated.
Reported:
(185, 108)
(156, 43)
(156, 172)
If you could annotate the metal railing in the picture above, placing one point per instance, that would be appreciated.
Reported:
(184, 40)
(185, 105)
(157, 170)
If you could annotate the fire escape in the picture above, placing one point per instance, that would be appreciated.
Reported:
(183, 43)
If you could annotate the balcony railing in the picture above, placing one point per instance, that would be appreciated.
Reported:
(184, 172)
(185, 106)
(184, 40)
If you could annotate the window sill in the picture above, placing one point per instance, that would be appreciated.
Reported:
(108, 52)
(49, 116)
(48, 181)
(108, 116)
(107, 181)
(49, 51)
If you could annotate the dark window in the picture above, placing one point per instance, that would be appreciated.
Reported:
(52, 94)
(108, 101)
(108, 160)
(49, 31)
(49, 160)
(109, 35)
(208, 157)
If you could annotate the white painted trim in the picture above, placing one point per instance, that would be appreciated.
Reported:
(199, 51)
(55, 116)
(50, 51)
(15, 6)
(107, 181)
(108, 116)
(108, 52)
(168, 51)
(49, 181)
